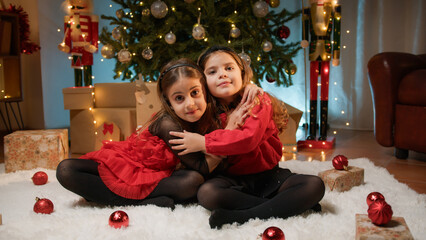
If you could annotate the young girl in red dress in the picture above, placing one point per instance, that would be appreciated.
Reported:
(143, 169)
(252, 186)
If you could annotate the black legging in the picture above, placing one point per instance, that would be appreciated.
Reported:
(81, 176)
(296, 195)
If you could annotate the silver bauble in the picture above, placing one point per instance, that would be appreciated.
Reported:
(119, 13)
(107, 51)
(159, 9)
(235, 32)
(116, 33)
(146, 12)
(198, 32)
(245, 57)
(170, 38)
(260, 8)
(267, 46)
(147, 53)
(124, 56)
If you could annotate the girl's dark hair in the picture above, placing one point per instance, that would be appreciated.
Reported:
(280, 115)
(171, 73)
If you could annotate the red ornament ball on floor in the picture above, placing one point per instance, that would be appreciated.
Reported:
(40, 178)
(119, 219)
(374, 196)
(380, 212)
(340, 162)
(273, 233)
(43, 205)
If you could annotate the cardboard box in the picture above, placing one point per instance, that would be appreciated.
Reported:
(78, 97)
(288, 136)
(341, 180)
(82, 131)
(147, 101)
(24, 150)
(107, 131)
(396, 229)
(115, 95)
(125, 118)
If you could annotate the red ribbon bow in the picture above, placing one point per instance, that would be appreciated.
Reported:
(108, 128)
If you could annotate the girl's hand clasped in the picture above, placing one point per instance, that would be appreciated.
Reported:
(189, 142)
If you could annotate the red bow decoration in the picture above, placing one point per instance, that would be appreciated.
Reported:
(108, 128)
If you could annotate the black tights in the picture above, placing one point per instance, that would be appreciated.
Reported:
(81, 176)
(296, 195)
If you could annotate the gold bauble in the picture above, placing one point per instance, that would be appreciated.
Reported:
(274, 3)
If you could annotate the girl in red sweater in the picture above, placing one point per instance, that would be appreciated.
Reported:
(252, 186)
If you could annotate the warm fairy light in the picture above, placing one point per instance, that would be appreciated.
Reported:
(294, 149)
(347, 124)
(99, 42)
(110, 140)
(110, 5)
(258, 58)
(323, 143)
(140, 3)
(94, 122)
(309, 159)
(335, 99)
(199, 9)
(160, 36)
(69, 58)
(310, 145)
(102, 59)
(229, 41)
(90, 109)
(124, 28)
(69, 6)
(127, 13)
(347, 31)
(235, 12)
(206, 39)
(322, 152)
(93, 93)
(334, 132)
(119, 73)
(319, 84)
(335, 83)
(325, 28)
(96, 133)
(134, 54)
(59, 30)
(173, 9)
(325, 12)
(344, 46)
(233, 25)
(338, 18)
(342, 112)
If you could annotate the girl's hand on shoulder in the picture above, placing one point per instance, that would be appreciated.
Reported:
(250, 93)
(188, 142)
(238, 116)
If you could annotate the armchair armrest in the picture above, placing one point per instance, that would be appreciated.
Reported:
(385, 71)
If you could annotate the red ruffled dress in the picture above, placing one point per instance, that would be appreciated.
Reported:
(134, 167)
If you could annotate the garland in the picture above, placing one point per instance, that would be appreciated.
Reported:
(27, 46)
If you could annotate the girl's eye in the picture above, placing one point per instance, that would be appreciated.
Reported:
(195, 93)
(179, 98)
(229, 68)
(210, 72)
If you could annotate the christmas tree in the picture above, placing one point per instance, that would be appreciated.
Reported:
(149, 33)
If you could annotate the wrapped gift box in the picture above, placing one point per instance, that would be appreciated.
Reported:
(108, 131)
(115, 95)
(396, 229)
(147, 102)
(288, 136)
(341, 180)
(24, 150)
(82, 131)
(78, 97)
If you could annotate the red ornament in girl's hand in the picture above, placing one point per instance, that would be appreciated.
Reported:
(119, 219)
(273, 233)
(380, 212)
(374, 196)
(40, 178)
(340, 162)
(43, 205)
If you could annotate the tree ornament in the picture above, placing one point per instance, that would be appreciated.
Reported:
(147, 53)
(43, 205)
(107, 51)
(340, 162)
(266, 46)
(380, 212)
(273, 233)
(116, 33)
(159, 9)
(304, 44)
(244, 56)
(374, 196)
(198, 32)
(146, 12)
(274, 3)
(269, 79)
(40, 178)
(260, 9)
(170, 38)
(118, 219)
(124, 56)
(119, 13)
(291, 69)
(235, 32)
(283, 32)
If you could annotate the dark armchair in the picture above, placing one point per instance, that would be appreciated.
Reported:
(398, 86)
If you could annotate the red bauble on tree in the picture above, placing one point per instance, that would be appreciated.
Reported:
(380, 212)
(340, 162)
(273, 233)
(283, 32)
(119, 219)
(43, 205)
(269, 79)
(40, 178)
(374, 196)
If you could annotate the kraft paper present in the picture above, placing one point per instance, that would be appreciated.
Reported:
(108, 131)
(125, 118)
(342, 180)
(24, 150)
(82, 131)
(395, 229)
(288, 136)
(78, 97)
(147, 101)
(115, 95)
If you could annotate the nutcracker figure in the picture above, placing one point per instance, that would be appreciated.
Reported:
(321, 22)
(80, 39)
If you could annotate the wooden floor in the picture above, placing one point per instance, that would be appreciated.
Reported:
(357, 144)
(362, 144)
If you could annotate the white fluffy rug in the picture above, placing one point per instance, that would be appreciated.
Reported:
(74, 218)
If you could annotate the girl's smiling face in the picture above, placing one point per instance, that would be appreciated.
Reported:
(224, 78)
(187, 99)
